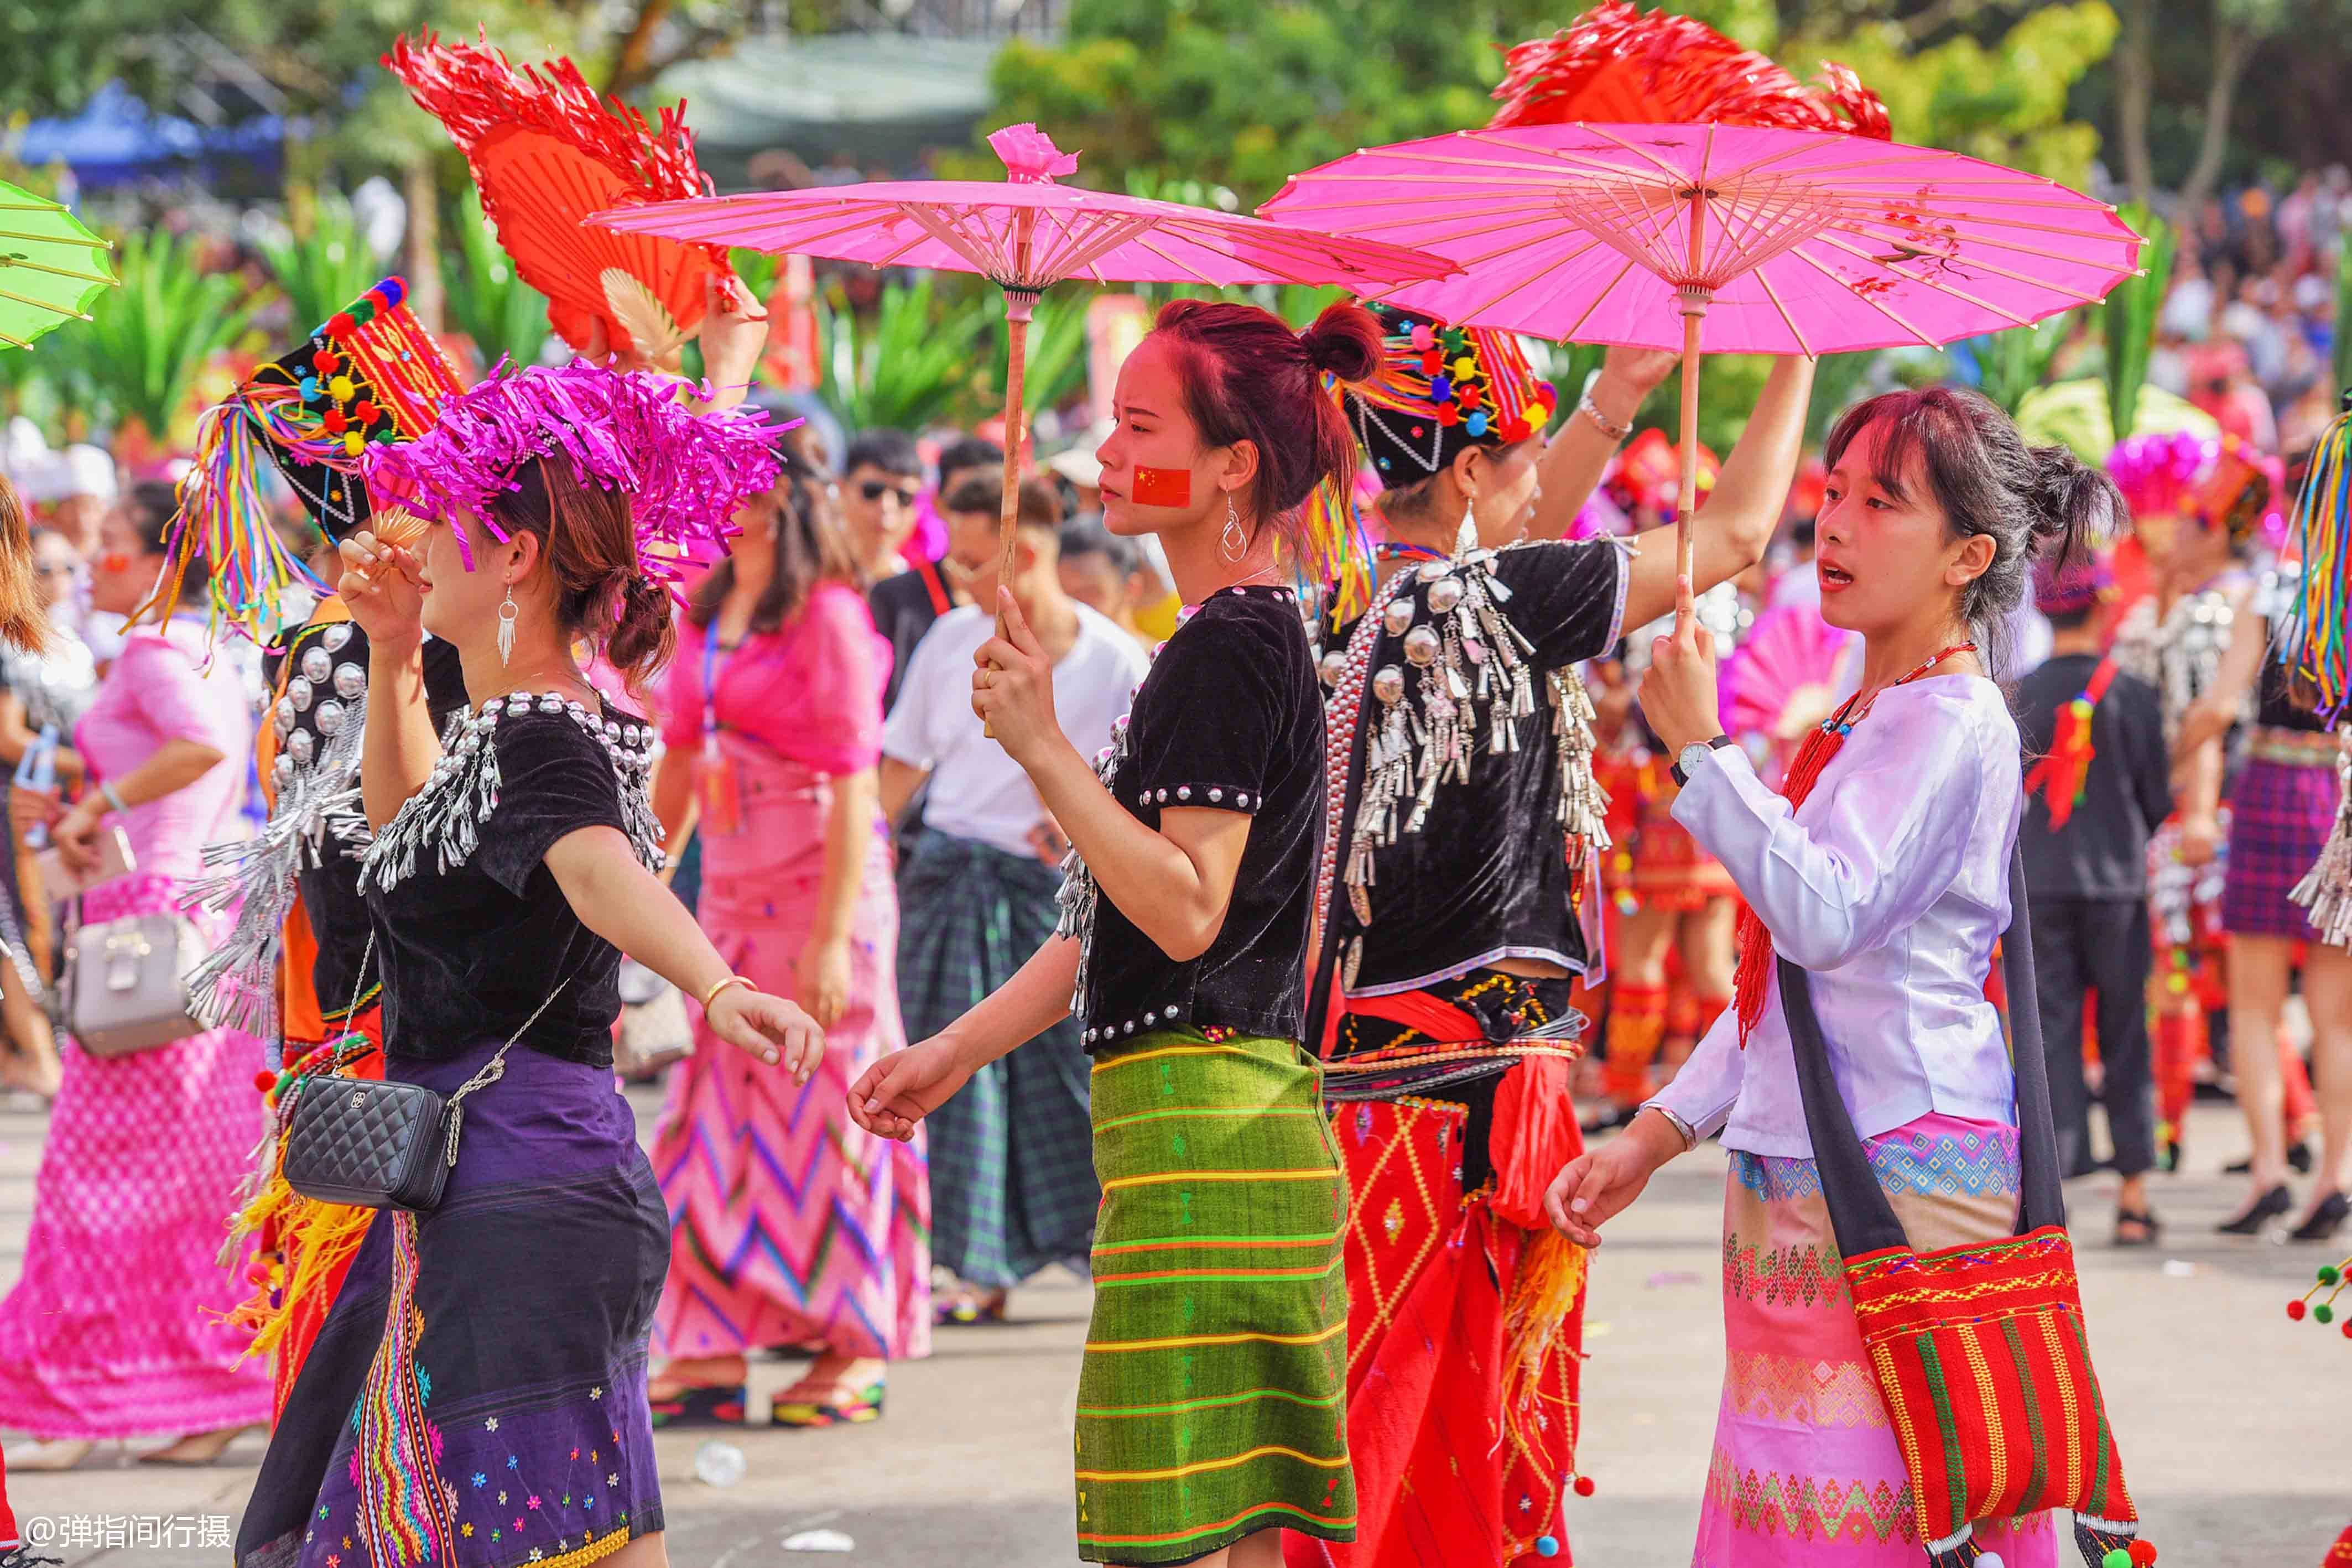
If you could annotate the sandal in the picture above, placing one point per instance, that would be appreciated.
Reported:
(856, 1409)
(711, 1405)
(2150, 1228)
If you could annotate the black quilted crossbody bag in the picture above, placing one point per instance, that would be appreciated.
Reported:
(383, 1145)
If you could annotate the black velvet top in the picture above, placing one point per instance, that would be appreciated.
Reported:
(2278, 703)
(2102, 852)
(1486, 876)
(473, 931)
(904, 607)
(1231, 719)
(330, 889)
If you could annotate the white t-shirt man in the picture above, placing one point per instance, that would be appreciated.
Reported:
(976, 790)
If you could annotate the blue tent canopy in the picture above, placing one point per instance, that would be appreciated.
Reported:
(116, 139)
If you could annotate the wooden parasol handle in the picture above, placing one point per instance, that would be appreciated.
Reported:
(1695, 304)
(1019, 305)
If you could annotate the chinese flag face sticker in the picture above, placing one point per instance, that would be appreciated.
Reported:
(1162, 486)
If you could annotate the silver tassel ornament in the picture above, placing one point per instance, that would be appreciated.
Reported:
(2326, 889)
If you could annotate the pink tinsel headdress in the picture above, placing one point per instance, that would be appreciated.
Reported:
(2161, 472)
(2218, 479)
(685, 472)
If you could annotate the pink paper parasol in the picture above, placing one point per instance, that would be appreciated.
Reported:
(1026, 235)
(1737, 239)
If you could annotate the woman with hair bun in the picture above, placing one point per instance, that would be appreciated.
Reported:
(1886, 872)
(477, 1392)
(1465, 818)
(1217, 1256)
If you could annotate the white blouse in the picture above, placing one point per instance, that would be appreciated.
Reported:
(1891, 884)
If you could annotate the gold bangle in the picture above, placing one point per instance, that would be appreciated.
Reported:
(713, 994)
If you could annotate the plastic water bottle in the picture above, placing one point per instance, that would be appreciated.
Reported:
(38, 770)
(718, 1464)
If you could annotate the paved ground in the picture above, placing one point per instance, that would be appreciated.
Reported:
(2231, 1417)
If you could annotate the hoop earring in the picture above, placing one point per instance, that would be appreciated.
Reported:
(507, 613)
(1232, 543)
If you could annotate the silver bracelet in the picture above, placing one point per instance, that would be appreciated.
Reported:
(106, 788)
(1689, 1133)
(1600, 422)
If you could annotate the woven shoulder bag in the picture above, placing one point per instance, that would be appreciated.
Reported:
(1979, 1350)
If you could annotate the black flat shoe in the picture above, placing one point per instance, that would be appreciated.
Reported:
(2326, 1217)
(2150, 1228)
(2259, 1213)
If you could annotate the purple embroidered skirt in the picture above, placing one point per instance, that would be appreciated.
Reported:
(477, 1396)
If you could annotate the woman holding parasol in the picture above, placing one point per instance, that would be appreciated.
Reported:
(1884, 872)
(1217, 1254)
(1466, 814)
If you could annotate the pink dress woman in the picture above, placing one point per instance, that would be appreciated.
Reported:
(790, 1226)
(114, 1329)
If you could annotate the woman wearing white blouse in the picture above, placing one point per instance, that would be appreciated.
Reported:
(1884, 872)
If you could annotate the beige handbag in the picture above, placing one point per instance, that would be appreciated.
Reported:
(125, 982)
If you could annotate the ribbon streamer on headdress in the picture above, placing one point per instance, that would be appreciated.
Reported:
(369, 375)
(2315, 647)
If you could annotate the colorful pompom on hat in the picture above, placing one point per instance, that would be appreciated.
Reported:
(1440, 389)
(685, 472)
(368, 376)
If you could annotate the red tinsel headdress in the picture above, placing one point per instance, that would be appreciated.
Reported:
(545, 152)
(1616, 65)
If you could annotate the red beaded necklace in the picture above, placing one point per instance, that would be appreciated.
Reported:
(1755, 942)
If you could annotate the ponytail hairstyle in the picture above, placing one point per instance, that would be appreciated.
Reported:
(811, 549)
(1248, 377)
(604, 596)
(2029, 500)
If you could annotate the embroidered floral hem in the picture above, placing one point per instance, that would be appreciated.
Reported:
(476, 1398)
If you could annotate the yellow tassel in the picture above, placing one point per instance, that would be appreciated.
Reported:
(1544, 1296)
(316, 1239)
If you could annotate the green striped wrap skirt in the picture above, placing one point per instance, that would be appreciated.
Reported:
(1211, 1403)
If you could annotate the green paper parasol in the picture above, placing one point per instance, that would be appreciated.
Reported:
(51, 268)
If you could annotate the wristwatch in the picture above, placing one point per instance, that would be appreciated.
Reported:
(1691, 756)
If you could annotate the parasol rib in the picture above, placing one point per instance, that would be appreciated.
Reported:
(21, 265)
(2008, 315)
(1818, 266)
(45, 305)
(1787, 320)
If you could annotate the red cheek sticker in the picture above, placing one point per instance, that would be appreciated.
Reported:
(1163, 487)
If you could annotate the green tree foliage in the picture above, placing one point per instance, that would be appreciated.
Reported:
(2002, 97)
(327, 268)
(140, 355)
(1245, 92)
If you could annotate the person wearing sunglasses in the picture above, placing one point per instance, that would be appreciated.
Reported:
(879, 511)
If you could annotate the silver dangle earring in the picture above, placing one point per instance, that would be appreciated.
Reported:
(507, 626)
(1233, 542)
(1465, 538)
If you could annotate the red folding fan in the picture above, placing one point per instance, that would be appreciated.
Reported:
(546, 152)
(1616, 66)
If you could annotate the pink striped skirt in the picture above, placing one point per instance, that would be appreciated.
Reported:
(1806, 1472)
(113, 1329)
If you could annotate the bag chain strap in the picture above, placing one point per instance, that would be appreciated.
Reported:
(492, 1071)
